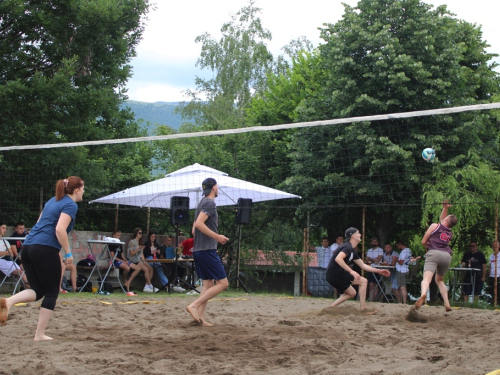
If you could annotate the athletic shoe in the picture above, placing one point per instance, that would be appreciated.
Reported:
(155, 289)
(192, 293)
(178, 289)
(131, 294)
(148, 289)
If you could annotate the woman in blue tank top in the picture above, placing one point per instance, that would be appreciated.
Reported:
(41, 259)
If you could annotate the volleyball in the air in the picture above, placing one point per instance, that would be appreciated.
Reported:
(428, 154)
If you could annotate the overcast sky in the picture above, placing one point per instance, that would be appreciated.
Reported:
(166, 57)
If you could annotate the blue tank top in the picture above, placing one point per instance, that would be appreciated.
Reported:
(44, 231)
(440, 239)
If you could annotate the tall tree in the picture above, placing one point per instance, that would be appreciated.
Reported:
(63, 70)
(387, 56)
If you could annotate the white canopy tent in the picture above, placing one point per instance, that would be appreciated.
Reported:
(186, 182)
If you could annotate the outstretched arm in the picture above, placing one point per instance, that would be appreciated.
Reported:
(444, 212)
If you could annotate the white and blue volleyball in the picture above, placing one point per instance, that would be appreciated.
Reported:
(428, 155)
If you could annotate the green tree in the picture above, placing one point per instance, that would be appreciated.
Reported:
(63, 70)
(387, 56)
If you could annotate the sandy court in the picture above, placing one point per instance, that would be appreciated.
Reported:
(252, 335)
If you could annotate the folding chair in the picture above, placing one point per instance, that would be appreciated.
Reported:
(14, 282)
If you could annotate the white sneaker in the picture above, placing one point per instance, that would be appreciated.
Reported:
(191, 293)
(155, 289)
(148, 289)
(178, 289)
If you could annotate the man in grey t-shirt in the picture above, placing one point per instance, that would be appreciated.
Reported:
(209, 266)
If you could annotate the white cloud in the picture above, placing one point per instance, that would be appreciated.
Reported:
(166, 57)
(155, 92)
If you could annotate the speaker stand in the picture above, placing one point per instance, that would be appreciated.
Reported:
(237, 277)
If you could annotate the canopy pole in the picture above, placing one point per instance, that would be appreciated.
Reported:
(116, 216)
(304, 262)
(495, 280)
(148, 219)
(363, 225)
(41, 200)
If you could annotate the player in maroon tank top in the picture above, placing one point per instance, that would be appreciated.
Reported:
(438, 258)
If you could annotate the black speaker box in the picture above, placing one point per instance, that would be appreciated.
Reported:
(179, 210)
(244, 212)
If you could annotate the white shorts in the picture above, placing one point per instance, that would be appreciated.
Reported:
(8, 266)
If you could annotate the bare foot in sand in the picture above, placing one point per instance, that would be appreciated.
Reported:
(204, 323)
(420, 301)
(4, 311)
(447, 308)
(43, 338)
(414, 316)
(194, 313)
(368, 311)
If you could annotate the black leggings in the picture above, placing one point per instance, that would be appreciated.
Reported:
(43, 270)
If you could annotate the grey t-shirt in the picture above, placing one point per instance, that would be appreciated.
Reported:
(201, 240)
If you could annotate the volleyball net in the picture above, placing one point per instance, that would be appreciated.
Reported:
(337, 167)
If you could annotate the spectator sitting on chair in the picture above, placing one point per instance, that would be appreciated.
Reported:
(373, 257)
(7, 264)
(473, 259)
(152, 251)
(72, 269)
(124, 264)
(135, 255)
(402, 270)
(187, 253)
(168, 251)
(16, 245)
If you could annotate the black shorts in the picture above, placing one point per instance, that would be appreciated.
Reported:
(478, 287)
(341, 281)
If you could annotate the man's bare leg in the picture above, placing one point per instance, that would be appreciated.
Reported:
(348, 294)
(363, 283)
(207, 294)
(207, 284)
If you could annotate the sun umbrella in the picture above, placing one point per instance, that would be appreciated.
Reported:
(186, 182)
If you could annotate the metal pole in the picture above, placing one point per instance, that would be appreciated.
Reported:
(149, 217)
(116, 216)
(495, 280)
(363, 239)
(41, 200)
(238, 259)
(304, 263)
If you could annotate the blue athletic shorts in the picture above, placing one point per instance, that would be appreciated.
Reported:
(209, 265)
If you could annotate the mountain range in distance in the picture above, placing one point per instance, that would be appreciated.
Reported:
(152, 114)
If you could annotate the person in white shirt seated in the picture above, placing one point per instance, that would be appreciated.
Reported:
(7, 265)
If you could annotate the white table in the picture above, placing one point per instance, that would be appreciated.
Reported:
(456, 271)
(380, 280)
(104, 255)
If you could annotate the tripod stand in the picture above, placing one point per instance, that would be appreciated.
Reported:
(237, 277)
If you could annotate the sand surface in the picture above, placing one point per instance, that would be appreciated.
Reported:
(252, 335)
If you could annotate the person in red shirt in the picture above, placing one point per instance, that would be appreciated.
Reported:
(187, 247)
(187, 251)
